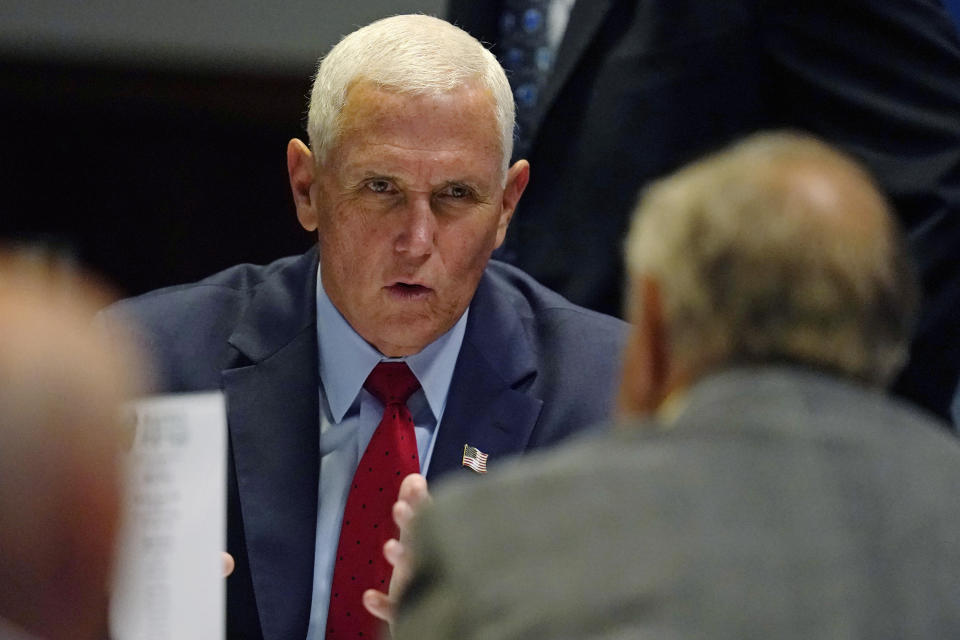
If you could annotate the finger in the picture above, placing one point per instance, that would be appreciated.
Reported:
(378, 604)
(228, 564)
(413, 490)
(395, 553)
(402, 513)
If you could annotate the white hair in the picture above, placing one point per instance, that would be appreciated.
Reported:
(413, 54)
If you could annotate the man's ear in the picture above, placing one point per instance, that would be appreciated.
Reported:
(517, 178)
(301, 167)
(646, 367)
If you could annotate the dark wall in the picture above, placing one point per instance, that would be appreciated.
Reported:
(150, 177)
(148, 140)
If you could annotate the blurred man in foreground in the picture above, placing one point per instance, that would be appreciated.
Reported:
(61, 386)
(395, 347)
(763, 486)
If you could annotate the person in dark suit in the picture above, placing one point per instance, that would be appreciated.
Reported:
(762, 485)
(637, 88)
(408, 183)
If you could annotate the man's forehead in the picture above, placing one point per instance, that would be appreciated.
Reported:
(369, 105)
(388, 132)
(360, 89)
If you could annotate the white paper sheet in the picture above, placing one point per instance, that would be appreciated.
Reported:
(168, 582)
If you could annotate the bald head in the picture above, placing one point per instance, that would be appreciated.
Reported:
(778, 249)
(60, 389)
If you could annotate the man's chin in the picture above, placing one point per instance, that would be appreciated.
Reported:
(396, 344)
(405, 327)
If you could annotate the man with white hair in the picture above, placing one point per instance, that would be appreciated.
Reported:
(764, 486)
(395, 347)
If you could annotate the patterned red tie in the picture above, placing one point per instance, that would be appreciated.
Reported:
(367, 521)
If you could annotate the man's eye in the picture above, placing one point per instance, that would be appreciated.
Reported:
(379, 186)
(457, 191)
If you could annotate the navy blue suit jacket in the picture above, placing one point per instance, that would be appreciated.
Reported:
(533, 369)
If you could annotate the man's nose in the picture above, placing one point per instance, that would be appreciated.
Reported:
(418, 232)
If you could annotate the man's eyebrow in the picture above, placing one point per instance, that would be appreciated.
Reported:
(466, 182)
(363, 169)
(359, 174)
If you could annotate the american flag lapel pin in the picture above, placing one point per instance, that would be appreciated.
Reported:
(474, 459)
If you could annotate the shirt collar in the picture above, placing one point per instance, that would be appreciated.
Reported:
(435, 363)
(346, 359)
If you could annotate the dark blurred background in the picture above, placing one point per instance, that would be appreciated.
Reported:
(147, 140)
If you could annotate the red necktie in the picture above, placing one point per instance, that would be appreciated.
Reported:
(391, 455)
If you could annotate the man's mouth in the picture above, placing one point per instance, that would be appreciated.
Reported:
(408, 291)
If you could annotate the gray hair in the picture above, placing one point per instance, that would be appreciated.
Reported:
(778, 249)
(413, 54)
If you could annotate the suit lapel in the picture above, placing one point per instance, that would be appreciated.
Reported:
(585, 19)
(486, 406)
(273, 411)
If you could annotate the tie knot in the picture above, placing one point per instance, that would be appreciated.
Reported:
(392, 382)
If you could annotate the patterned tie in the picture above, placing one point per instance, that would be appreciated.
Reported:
(391, 455)
(527, 56)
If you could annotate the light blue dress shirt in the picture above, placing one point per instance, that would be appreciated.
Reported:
(348, 417)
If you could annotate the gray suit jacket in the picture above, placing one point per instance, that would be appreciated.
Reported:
(780, 504)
